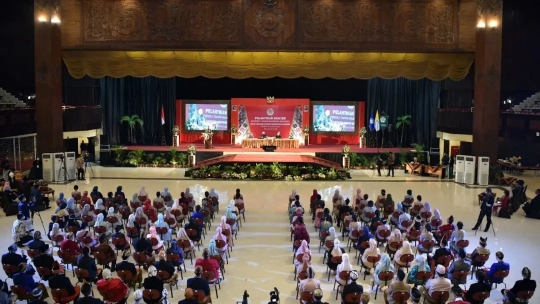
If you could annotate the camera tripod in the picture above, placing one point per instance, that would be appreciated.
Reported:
(42, 224)
(63, 168)
(492, 228)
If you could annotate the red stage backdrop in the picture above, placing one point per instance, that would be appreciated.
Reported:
(333, 138)
(255, 115)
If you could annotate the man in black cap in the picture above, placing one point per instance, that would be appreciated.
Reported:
(353, 287)
(108, 253)
(344, 209)
(37, 242)
(126, 265)
(86, 262)
(44, 260)
(12, 258)
(485, 210)
(318, 295)
(87, 298)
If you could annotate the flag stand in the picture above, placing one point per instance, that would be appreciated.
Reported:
(163, 141)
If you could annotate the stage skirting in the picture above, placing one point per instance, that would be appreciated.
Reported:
(283, 143)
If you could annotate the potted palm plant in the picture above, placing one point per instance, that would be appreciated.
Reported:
(132, 122)
(403, 121)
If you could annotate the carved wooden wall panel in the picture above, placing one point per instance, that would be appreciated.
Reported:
(355, 25)
(173, 23)
(378, 24)
(269, 25)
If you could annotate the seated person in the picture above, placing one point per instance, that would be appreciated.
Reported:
(88, 263)
(198, 283)
(532, 209)
(208, 264)
(163, 265)
(460, 264)
(112, 288)
(153, 282)
(521, 285)
(504, 205)
(396, 286)
(188, 297)
(108, 253)
(482, 285)
(25, 279)
(60, 281)
(37, 242)
(481, 249)
(438, 283)
(44, 260)
(352, 287)
(310, 284)
(87, 298)
(12, 257)
(278, 135)
(126, 265)
(263, 135)
(500, 265)
(70, 246)
(442, 252)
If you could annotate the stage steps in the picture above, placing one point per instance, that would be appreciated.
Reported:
(267, 157)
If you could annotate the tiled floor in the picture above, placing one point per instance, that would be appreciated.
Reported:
(262, 257)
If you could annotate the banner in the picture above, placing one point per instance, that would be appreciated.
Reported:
(383, 121)
(334, 118)
(253, 119)
(200, 116)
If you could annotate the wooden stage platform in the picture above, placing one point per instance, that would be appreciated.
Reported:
(237, 149)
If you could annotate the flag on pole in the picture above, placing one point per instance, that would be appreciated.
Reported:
(377, 123)
(371, 122)
(162, 115)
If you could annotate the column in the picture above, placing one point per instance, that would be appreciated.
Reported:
(487, 78)
(48, 76)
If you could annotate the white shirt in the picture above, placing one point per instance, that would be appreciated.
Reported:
(456, 236)
(438, 284)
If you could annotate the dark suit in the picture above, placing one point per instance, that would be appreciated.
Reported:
(62, 282)
(127, 266)
(143, 245)
(351, 288)
(474, 288)
(165, 266)
(188, 301)
(153, 283)
(12, 258)
(89, 300)
(36, 244)
(43, 260)
(88, 263)
(199, 284)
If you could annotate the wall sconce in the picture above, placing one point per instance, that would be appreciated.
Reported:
(481, 24)
(493, 23)
(42, 19)
(55, 19)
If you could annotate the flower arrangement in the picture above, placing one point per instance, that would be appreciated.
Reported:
(306, 129)
(362, 132)
(234, 129)
(346, 150)
(191, 150)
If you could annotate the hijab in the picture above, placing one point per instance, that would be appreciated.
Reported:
(305, 262)
(386, 262)
(315, 193)
(153, 233)
(358, 194)
(148, 203)
(389, 200)
(135, 197)
(85, 209)
(213, 193)
(142, 192)
(165, 191)
(367, 232)
(99, 204)
(336, 251)
(345, 261)
(61, 197)
(182, 234)
(131, 221)
(229, 213)
(332, 232)
(55, 229)
(293, 195)
(336, 194)
(406, 248)
(176, 204)
(427, 207)
(99, 220)
(397, 235)
(219, 235)
(139, 212)
(188, 193)
(421, 262)
(107, 275)
(223, 223)
(111, 212)
(160, 222)
(304, 249)
(71, 203)
(399, 207)
(437, 214)
(212, 249)
(372, 245)
(95, 191)
(168, 212)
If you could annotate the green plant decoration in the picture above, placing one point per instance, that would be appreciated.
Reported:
(132, 122)
(119, 154)
(401, 123)
(353, 159)
(418, 148)
(136, 157)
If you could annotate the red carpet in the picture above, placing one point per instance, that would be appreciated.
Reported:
(239, 149)
(267, 157)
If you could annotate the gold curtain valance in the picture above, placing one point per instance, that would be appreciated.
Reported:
(242, 64)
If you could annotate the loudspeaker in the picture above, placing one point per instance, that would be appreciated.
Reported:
(269, 148)
(103, 140)
(105, 158)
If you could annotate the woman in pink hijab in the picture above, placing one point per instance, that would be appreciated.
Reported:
(303, 249)
(219, 236)
(154, 238)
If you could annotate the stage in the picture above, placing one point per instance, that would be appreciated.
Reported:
(237, 149)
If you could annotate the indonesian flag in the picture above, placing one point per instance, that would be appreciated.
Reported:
(377, 125)
(162, 115)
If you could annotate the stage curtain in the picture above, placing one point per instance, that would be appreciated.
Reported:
(398, 97)
(138, 96)
(240, 65)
